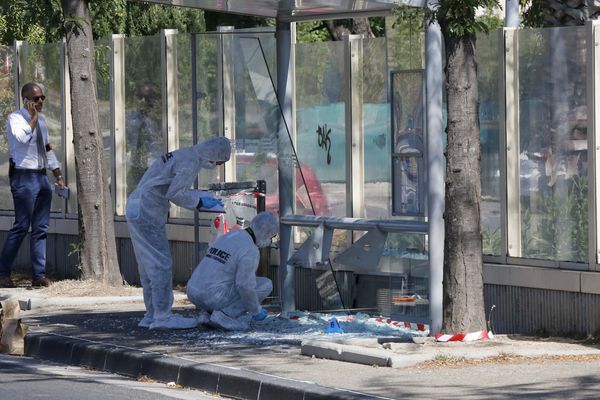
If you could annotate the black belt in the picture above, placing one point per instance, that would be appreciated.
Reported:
(31, 171)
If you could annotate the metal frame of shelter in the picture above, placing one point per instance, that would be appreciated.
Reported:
(286, 12)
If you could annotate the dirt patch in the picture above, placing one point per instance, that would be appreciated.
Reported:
(461, 362)
(146, 379)
(77, 288)
(86, 288)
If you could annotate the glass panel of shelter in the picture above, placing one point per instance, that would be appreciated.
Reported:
(321, 126)
(408, 183)
(143, 106)
(487, 78)
(553, 144)
(377, 128)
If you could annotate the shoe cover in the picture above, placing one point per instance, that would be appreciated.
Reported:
(175, 322)
(218, 319)
(145, 322)
(203, 317)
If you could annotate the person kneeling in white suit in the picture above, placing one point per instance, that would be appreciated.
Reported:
(224, 286)
(168, 180)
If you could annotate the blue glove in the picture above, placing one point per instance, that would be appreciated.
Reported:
(209, 202)
(262, 314)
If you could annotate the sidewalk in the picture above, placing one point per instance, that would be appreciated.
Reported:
(103, 334)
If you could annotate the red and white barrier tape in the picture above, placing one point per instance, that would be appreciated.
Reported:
(409, 325)
(464, 337)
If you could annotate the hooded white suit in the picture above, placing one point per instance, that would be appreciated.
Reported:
(168, 179)
(225, 281)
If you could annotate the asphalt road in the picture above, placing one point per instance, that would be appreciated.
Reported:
(24, 378)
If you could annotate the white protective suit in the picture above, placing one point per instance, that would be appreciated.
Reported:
(225, 282)
(168, 179)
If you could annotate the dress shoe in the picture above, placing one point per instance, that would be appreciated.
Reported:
(38, 282)
(6, 282)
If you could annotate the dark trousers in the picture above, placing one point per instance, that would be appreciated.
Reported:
(32, 197)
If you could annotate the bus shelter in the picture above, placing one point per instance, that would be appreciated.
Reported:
(417, 204)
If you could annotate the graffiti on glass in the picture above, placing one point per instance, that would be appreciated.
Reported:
(324, 141)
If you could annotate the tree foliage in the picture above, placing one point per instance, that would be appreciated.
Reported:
(533, 14)
(322, 31)
(551, 13)
(458, 17)
(142, 19)
(312, 31)
(33, 21)
(42, 21)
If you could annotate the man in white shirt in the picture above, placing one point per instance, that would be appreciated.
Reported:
(31, 155)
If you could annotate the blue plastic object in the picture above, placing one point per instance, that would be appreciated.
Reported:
(210, 202)
(262, 314)
(333, 326)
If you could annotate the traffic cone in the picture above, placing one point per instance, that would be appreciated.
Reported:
(333, 326)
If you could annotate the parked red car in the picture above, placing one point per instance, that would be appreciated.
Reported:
(252, 166)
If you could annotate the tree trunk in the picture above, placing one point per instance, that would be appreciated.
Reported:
(361, 26)
(463, 309)
(97, 252)
(341, 27)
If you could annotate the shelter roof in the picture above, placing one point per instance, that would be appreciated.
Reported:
(296, 10)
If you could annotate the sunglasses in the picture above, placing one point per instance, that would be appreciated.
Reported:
(38, 98)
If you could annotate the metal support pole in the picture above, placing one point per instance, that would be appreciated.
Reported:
(170, 97)
(170, 123)
(285, 34)
(118, 121)
(68, 148)
(227, 92)
(502, 124)
(435, 173)
(261, 205)
(511, 134)
(512, 13)
(193, 49)
(354, 127)
(593, 133)
(17, 72)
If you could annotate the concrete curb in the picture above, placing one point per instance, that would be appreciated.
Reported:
(227, 381)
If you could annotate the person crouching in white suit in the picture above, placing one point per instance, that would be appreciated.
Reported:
(168, 179)
(224, 286)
